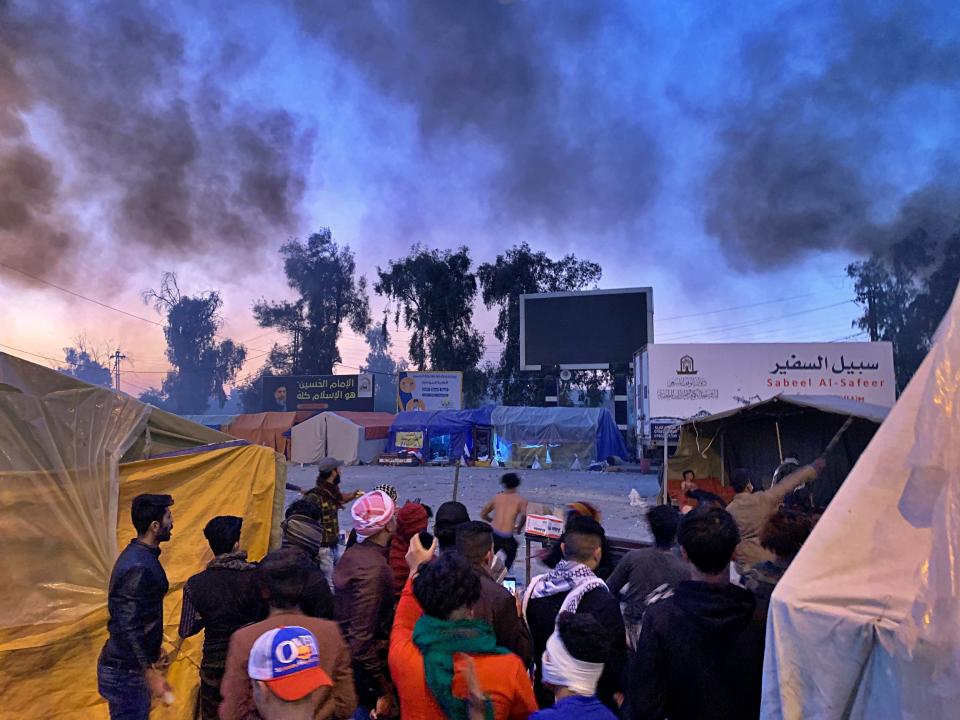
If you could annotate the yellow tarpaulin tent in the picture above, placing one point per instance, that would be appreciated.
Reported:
(64, 513)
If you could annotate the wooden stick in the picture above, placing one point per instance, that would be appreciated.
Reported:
(776, 424)
(456, 480)
(836, 438)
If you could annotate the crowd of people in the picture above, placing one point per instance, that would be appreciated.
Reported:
(405, 623)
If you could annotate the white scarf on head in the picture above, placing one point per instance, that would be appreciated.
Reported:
(561, 669)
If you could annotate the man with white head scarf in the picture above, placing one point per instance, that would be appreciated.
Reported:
(363, 599)
(572, 665)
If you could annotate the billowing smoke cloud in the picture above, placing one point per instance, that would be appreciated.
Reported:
(809, 154)
(528, 89)
(154, 146)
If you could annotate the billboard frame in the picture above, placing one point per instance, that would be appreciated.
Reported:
(524, 366)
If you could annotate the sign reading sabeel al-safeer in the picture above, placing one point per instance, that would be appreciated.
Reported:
(685, 380)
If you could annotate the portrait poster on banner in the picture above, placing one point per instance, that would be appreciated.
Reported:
(294, 393)
(429, 390)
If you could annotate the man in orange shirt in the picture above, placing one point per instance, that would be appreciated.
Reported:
(434, 637)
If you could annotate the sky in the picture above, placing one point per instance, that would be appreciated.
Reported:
(735, 158)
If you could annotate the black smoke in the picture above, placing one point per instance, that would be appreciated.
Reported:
(539, 88)
(810, 153)
(136, 130)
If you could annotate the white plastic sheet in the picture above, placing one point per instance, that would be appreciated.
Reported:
(866, 622)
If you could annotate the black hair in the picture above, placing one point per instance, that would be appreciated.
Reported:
(686, 472)
(663, 521)
(582, 537)
(448, 516)
(709, 535)
(307, 508)
(223, 532)
(785, 532)
(474, 540)
(324, 475)
(510, 480)
(283, 576)
(739, 479)
(584, 637)
(445, 584)
(146, 509)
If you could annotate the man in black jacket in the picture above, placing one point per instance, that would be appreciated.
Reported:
(642, 571)
(700, 651)
(574, 587)
(496, 605)
(302, 530)
(219, 600)
(127, 672)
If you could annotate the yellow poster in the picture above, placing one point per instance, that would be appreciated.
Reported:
(410, 439)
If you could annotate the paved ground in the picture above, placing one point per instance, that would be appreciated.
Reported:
(433, 486)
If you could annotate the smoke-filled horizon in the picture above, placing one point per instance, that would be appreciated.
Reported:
(663, 141)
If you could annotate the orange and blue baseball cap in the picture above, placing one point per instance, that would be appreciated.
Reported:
(286, 659)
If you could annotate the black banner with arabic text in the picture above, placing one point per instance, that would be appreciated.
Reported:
(318, 392)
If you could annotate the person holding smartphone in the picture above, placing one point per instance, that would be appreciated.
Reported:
(496, 604)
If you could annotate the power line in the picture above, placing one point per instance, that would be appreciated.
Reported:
(27, 352)
(90, 299)
(736, 307)
(79, 295)
(793, 332)
(850, 337)
(723, 328)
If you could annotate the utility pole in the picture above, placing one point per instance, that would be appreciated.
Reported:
(117, 357)
(872, 324)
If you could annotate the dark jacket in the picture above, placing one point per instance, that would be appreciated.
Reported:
(699, 655)
(220, 600)
(363, 605)
(329, 498)
(763, 577)
(643, 571)
(138, 585)
(498, 606)
(317, 599)
(542, 617)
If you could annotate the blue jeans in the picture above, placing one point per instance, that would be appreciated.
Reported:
(125, 691)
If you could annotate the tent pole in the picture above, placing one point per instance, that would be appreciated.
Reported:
(723, 460)
(776, 424)
(664, 495)
(456, 480)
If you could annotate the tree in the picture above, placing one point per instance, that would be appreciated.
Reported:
(202, 365)
(434, 292)
(86, 363)
(518, 271)
(249, 391)
(905, 293)
(384, 368)
(322, 273)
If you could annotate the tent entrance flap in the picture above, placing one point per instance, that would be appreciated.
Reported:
(757, 437)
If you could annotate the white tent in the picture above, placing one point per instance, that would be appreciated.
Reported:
(866, 622)
(351, 437)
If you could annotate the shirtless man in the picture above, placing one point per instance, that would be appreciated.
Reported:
(509, 510)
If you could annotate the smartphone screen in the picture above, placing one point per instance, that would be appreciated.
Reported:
(510, 584)
(426, 539)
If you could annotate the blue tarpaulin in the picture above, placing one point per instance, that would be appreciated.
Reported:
(448, 432)
(556, 436)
